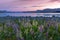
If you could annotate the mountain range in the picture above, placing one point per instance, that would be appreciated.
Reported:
(57, 10)
(44, 11)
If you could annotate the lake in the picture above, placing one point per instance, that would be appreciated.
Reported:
(30, 14)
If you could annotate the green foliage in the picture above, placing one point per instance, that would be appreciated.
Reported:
(30, 33)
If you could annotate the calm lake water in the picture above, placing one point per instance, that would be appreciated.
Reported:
(30, 14)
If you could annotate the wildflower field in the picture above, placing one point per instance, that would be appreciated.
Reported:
(29, 28)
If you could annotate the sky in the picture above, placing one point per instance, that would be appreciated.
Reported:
(28, 5)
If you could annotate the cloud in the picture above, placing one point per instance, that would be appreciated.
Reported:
(22, 5)
(54, 0)
(36, 6)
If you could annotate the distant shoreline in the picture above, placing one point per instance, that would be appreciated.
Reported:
(37, 11)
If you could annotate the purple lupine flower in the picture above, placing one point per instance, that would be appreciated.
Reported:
(31, 31)
(8, 24)
(50, 38)
(56, 26)
(41, 28)
(47, 34)
(22, 38)
(15, 26)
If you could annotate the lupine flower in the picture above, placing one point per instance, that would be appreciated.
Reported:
(31, 31)
(47, 34)
(56, 26)
(50, 38)
(41, 28)
(22, 38)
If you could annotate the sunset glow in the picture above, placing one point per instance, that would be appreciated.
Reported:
(52, 6)
(28, 5)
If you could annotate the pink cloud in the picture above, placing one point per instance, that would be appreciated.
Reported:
(54, 0)
(21, 5)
